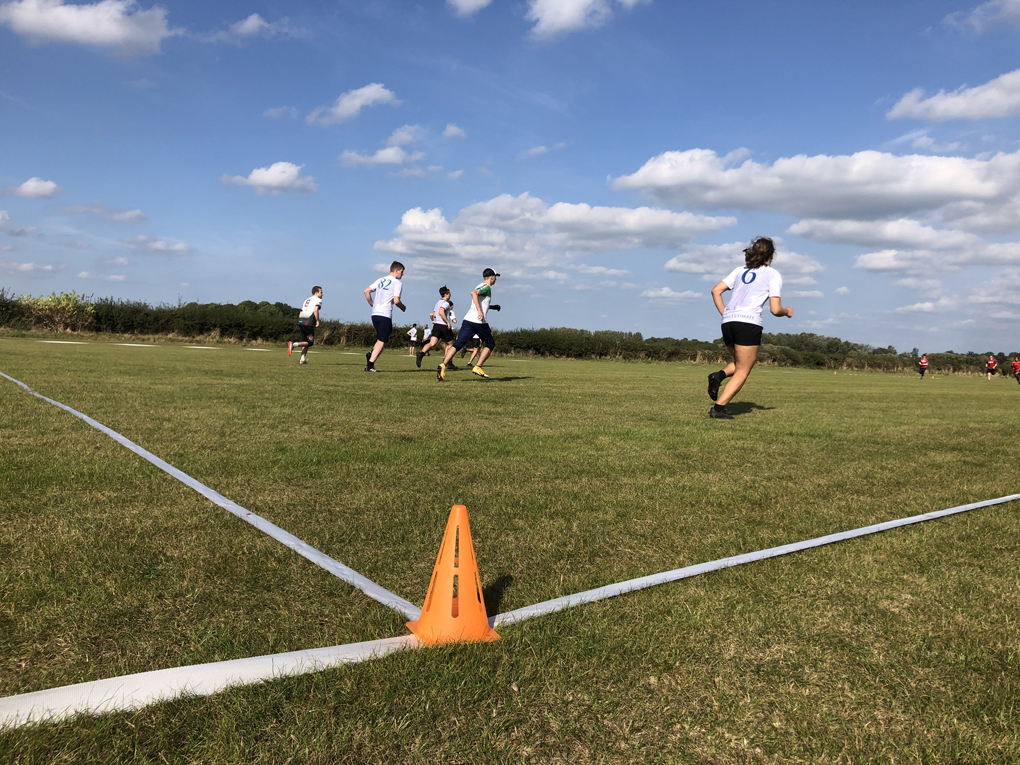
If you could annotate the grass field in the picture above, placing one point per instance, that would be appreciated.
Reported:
(901, 647)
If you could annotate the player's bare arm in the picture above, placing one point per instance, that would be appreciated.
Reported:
(717, 292)
(776, 306)
(478, 306)
(368, 296)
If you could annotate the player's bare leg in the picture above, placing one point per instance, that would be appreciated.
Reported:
(744, 359)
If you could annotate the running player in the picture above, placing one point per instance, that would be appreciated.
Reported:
(413, 334)
(475, 323)
(308, 320)
(922, 364)
(752, 284)
(387, 294)
(990, 367)
(1016, 368)
(441, 329)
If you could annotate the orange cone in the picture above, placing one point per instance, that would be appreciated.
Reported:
(454, 610)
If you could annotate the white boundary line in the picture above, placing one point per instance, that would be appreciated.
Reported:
(130, 692)
(136, 691)
(349, 575)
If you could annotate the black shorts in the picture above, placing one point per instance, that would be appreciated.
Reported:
(469, 330)
(443, 332)
(922, 370)
(740, 333)
(307, 332)
(383, 328)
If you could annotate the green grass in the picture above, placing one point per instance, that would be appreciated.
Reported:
(901, 647)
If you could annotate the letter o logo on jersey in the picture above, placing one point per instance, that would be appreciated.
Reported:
(747, 273)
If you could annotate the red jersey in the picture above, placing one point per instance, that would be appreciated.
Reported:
(990, 364)
(923, 363)
(1016, 367)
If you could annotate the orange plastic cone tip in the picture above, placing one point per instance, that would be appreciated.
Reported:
(454, 611)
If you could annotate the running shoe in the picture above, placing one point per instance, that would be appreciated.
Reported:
(441, 372)
(451, 367)
(303, 360)
(714, 381)
(290, 345)
(417, 359)
(480, 372)
(717, 415)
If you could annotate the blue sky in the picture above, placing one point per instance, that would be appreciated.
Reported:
(608, 157)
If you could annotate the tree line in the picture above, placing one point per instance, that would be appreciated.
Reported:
(266, 322)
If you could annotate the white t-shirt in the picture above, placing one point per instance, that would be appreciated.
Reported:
(414, 334)
(427, 334)
(437, 318)
(307, 315)
(484, 298)
(386, 289)
(751, 288)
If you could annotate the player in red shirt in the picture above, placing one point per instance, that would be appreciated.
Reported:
(922, 364)
(990, 367)
(1016, 368)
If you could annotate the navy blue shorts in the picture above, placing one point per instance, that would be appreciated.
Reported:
(740, 333)
(383, 328)
(469, 330)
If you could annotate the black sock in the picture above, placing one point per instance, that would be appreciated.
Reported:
(722, 374)
(719, 407)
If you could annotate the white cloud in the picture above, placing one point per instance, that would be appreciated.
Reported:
(255, 26)
(118, 261)
(466, 7)
(452, 131)
(985, 15)
(868, 184)
(142, 243)
(6, 247)
(34, 188)
(557, 17)
(916, 283)
(391, 155)
(806, 294)
(101, 210)
(1002, 289)
(4, 217)
(601, 270)
(944, 303)
(536, 151)
(278, 177)
(714, 261)
(842, 290)
(105, 278)
(11, 267)
(667, 295)
(455, 174)
(997, 98)
(899, 233)
(77, 245)
(527, 232)
(349, 104)
(402, 136)
(926, 261)
(117, 24)
(280, 111)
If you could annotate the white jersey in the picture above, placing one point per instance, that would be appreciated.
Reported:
(414, 334)
(427, 334)
(307, 315)
(436, 317)
(484, 298)
(386, 289)
(751, 288)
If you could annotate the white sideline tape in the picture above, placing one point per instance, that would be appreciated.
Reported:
(61, 342)
(349, 575)
(130, 692)
(609, 591)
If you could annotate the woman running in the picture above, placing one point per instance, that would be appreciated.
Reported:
(752, 284)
